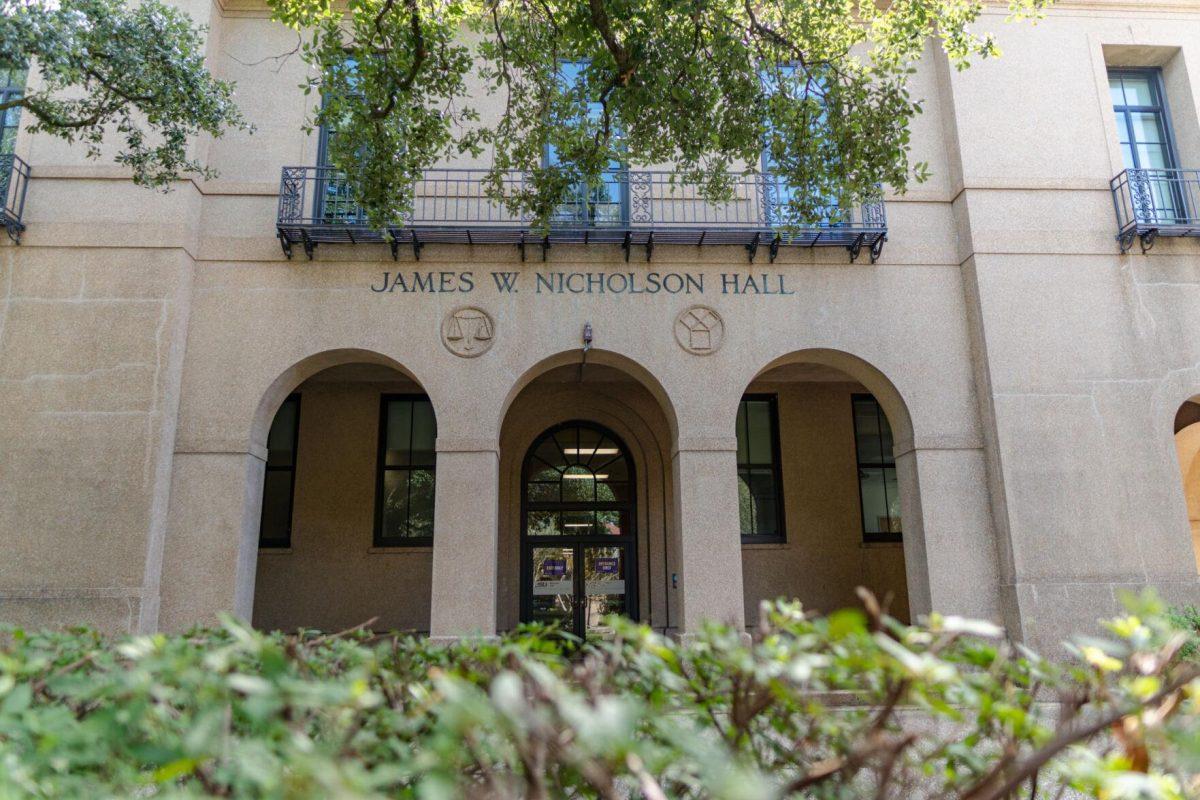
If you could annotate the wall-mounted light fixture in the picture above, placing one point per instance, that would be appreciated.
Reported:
(587, 345)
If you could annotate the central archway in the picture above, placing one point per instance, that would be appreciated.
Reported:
(613, 396)
(578, 528)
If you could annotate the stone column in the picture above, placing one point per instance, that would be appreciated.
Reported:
(950, 552)
(211, 548)
(465, 516)
(708, 542)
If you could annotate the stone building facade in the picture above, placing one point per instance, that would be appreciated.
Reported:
(993, 417)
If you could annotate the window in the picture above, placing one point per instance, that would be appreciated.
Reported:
(1144, 130)
(605, 204)
(279, 483)
(1142, 122)
(778, 193)
(405, 480)
(760, 481)
(878, 491)
(334, 203)
(12, 84)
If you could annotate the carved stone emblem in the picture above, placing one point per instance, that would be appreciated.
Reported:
(699, 330)
(468, 332)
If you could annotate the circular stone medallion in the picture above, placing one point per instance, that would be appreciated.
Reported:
(699, 330)
(468, 332)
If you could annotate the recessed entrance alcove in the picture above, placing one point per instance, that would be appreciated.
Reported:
(819, 495)
(346, 533)
(585, 498)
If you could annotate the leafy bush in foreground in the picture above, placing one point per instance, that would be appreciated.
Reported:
(854, 705)
(1187, 619)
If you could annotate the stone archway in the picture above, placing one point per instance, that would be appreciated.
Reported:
(211, 553)
(1187, 450)
(611, 392)
(950, 558)
(822, 504)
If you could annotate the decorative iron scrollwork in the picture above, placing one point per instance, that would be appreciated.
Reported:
(640, 198)
(291, 194)
(877, 249)
(1148, 238)
(873, 214)
(856, 247)
(1140, 195)
(768, 199)
(1126, 240)
(286, 244)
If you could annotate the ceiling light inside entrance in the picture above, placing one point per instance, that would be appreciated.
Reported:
(583, 451)
(588, 477)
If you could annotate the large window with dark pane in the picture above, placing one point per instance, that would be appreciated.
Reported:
(1144, 130)
(878, 489)
(407, 461)
(760, 484)
(607, 202)
(279, 483)
(334, 201)
(12, 85)
(791, 81)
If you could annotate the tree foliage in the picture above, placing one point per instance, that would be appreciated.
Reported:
(112, 66)
(704, 86)
(854, 705)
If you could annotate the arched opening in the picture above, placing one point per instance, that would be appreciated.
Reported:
(820, 496)
(1187, 449)
(584, 529)
(346, 530)
(578, 534)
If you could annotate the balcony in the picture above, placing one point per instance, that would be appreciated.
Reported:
(1156, 202)
(14, 181)
(635, 210)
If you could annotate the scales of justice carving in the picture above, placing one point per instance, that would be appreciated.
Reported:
(699, 330)
(468, 332)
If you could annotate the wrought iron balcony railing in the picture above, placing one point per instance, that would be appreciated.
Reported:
(1156, 202)
(14, 181)
(633, 209)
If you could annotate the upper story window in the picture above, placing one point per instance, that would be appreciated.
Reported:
(332, 198)
(778, 192)
(1143, 123)
(1144, 130)
(279, 483)
(606, 203)
(12, 84)
(405, 472)
(760, 478)
(878, 489)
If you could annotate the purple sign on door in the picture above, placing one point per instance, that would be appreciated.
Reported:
(554, 567)
(606, 565)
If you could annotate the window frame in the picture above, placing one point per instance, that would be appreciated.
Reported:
(620, 172)
(10, 91)
(381, 469)
(888, 461)
(286, 543)
(1162, 109)
(776, 466)
(579, 543)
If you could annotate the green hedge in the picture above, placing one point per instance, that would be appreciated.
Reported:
(854, 705)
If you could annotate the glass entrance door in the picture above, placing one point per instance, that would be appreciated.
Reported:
(578, 546)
